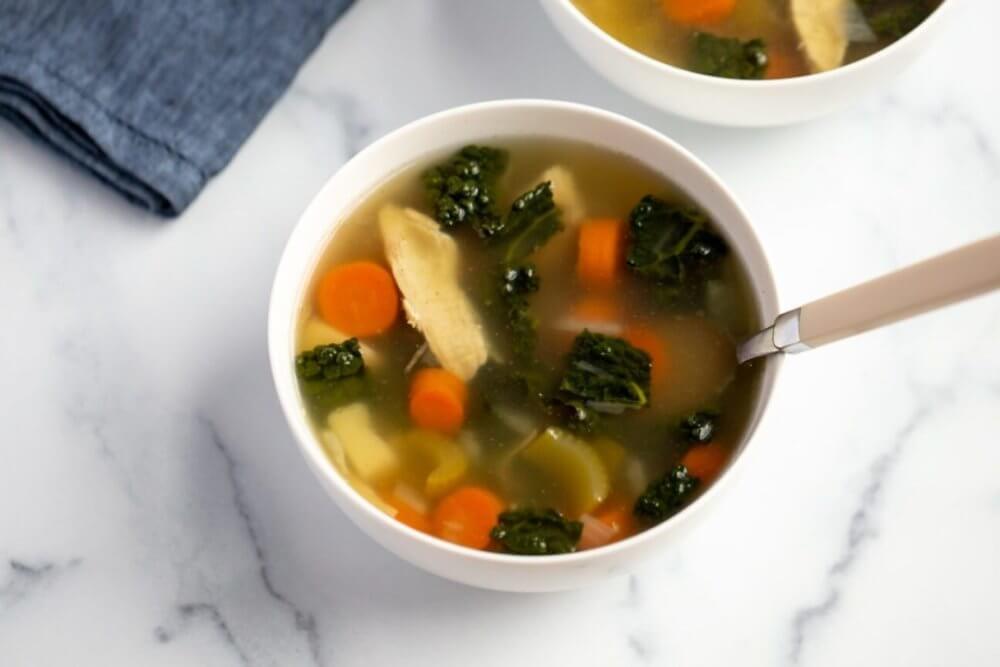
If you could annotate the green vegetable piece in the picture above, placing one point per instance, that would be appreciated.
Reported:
(331, 375)
(534, 218)
(605, 374)
(665, 496)
(669, 244)
(532, 532)
(462, 189)
(728, 57)
(699, 427)
(574, 465)
(518, 282)
(891, 19)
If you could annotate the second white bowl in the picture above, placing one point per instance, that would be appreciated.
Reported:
(733, 102)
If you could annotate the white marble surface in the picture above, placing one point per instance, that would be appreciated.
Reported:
(154, 510)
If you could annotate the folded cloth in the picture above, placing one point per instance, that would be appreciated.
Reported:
(153, 97)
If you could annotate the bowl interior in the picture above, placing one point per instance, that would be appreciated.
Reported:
(451, 130)
(641, 59)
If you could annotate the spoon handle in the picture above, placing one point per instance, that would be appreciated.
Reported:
(934, 283)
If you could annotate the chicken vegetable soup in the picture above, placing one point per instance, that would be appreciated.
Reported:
(528, 347)
(756, 39)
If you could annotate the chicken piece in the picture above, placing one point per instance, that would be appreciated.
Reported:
(822, 26)
(424, 261)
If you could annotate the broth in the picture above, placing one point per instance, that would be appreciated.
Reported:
(665, 30)
(518, 447)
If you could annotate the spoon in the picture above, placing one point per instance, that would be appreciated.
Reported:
(934, 283)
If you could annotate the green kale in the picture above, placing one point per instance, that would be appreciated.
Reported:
(331, 375)
(520, 281)
(604, 374)
(699, 427)
(891, 19)
(728, 57)
(461, 190)
(533, 219)
(665, 496)
(669, 244)
(533, 532)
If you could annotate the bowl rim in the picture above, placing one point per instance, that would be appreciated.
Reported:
(816, 77)
(292, 271)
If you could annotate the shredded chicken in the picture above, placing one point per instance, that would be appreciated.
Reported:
(425, 264)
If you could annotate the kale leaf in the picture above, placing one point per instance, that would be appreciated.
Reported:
(331, 375)
(728, 57)
(534, 532)
(669, 243)
(518, 282)
(698, 427)
(461, 190)
(665, 496)
(604, 374)
(891, 19)
(533, 219)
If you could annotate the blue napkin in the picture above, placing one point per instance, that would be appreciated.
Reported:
(152, 96)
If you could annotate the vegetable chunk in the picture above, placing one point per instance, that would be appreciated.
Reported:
(728, 57)
(358, 298)
(573, 464)
(466, 516)
(461, 190)
(425, 263)
(437, 400)
(665, 496)
(365, 451)
(670, 244)
(531, 532)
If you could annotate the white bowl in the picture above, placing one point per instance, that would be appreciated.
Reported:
(450, 130)
(734, 102)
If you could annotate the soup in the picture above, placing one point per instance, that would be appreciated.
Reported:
(527, 348)
(755, 39)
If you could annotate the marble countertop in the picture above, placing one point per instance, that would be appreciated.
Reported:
(155, 510)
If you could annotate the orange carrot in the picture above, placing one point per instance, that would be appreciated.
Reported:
(609, 525)
(782, 64)
(406, 513)
(359, 299)
(619, 517)
(649, 342)
(697, 12)
(437, 400)
(601, 252)
(706, 461)
(466, 516)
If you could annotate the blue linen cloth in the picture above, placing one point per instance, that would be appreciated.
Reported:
(152, 96)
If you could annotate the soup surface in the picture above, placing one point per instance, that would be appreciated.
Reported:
(528, 348)
(754, 39)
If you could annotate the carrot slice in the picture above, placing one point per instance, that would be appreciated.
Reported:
(783, 64)
(437, 400)
(601, 252)
(406, 513)
(466, 516)
(697, 12)
(359, 298)
(607, 526)
(706, 461)
(649, 342)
